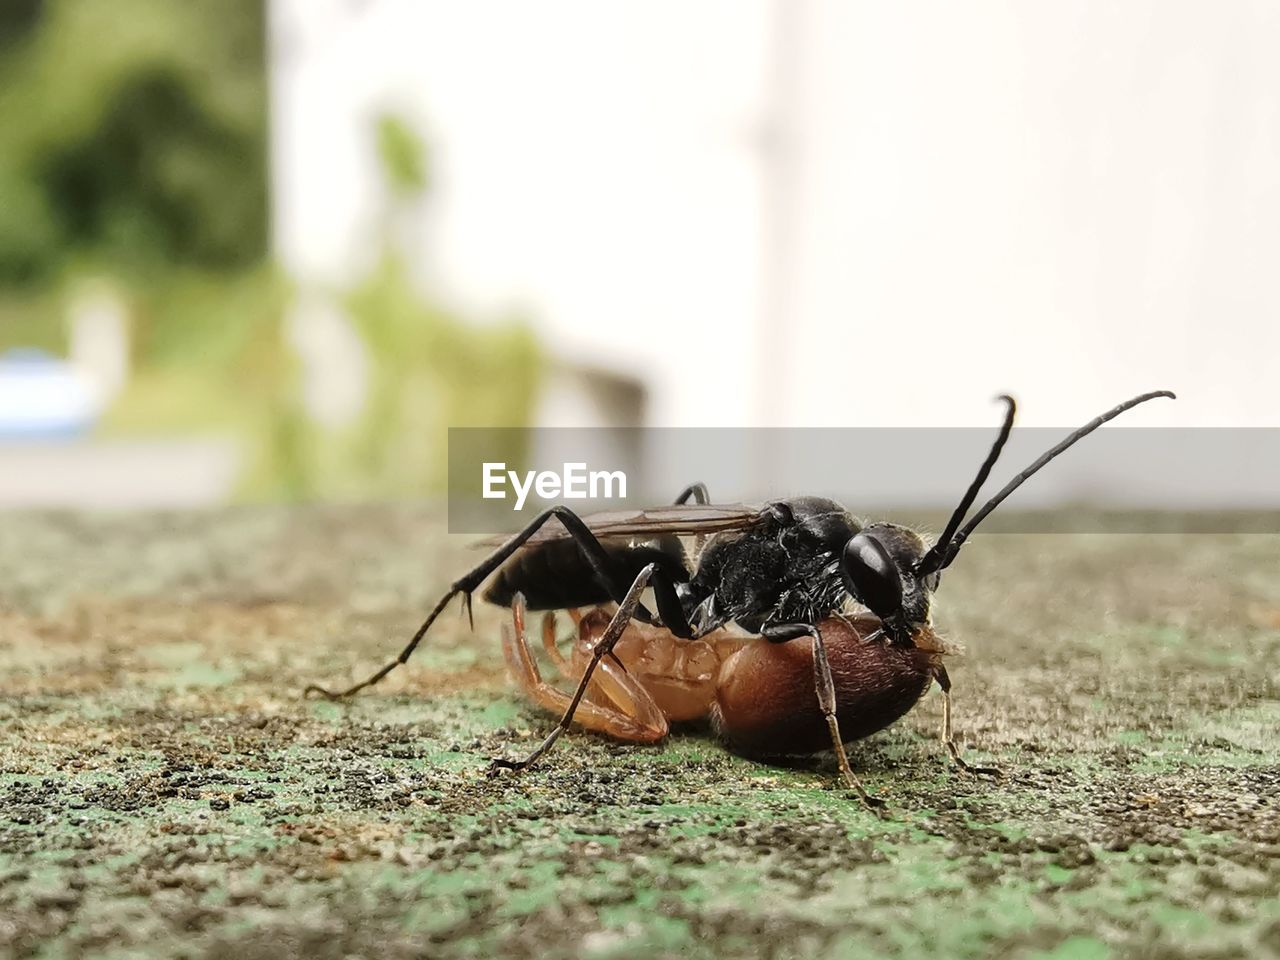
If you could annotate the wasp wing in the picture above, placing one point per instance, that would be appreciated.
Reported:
(685, 520)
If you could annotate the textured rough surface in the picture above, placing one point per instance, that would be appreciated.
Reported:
(164, 790)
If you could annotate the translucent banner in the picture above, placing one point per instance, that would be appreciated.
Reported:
(1119, 479)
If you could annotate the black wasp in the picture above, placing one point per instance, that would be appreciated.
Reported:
(775, 571)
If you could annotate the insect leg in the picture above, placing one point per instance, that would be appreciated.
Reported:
(700, 496)
(670, 609)
(826, 690)
(944, 681)
(696, 490)
(624, 710)
(549, 638)
(469, 583)
(603, 647)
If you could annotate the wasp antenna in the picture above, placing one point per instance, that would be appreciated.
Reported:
(1044, 458)
(934, 559)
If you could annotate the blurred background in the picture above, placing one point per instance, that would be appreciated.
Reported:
(274, 249)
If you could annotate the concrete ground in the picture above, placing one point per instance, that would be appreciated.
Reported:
(166, 792)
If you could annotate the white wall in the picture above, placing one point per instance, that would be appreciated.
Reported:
(592, 166)
(898, 209)
(1073, 201)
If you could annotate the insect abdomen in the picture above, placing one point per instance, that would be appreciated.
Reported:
(767, 705)
(556, 575)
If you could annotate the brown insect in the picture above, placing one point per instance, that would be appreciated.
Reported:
(758, 696)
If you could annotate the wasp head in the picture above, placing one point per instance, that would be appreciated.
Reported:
(880, 567)
(887, 568)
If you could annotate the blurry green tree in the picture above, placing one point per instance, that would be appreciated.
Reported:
(133, 149)
(133, 135)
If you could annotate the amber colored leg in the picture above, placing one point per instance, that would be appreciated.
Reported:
(637, 719)
(549, 642)
(944, 681)
(576, 707)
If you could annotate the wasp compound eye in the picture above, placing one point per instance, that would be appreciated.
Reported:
(872, 575)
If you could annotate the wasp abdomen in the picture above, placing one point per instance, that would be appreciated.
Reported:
(556, 574)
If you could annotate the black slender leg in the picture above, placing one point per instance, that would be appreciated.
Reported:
(670, 609)
(826, 690)
(602, 649)
(696, 490)
(944, 681)
(469, 583)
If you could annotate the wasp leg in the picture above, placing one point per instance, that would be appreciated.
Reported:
(670, 609)
(626, 609)
(826, 690)
(696, 490)
(468, 584)
(944, 681)
(635, 719)
(701, 497)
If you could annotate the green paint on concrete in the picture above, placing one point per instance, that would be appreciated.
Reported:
(165, 790)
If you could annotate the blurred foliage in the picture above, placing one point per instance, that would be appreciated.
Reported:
(428, 369)
(32, 317)
(226, 368)
(403, 159)
(133, 136)
(133, 144)
(431, 371)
